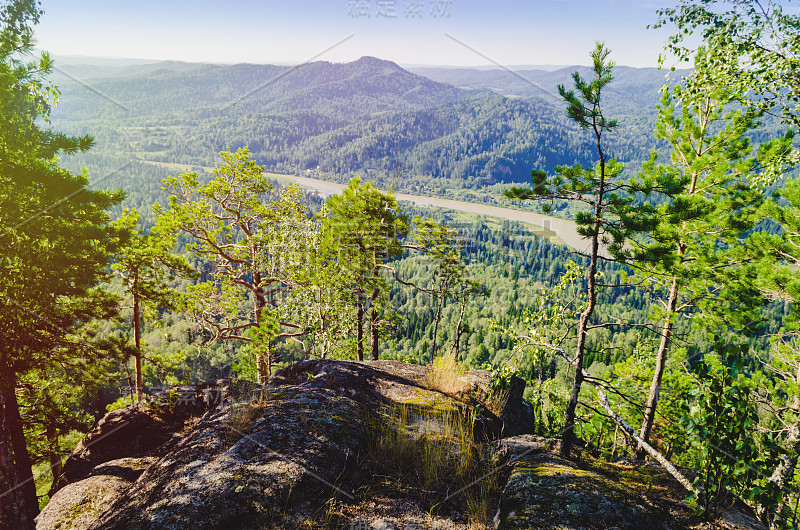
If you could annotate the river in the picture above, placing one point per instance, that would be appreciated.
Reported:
(559, 230)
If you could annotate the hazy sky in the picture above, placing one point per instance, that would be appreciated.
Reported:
(405, 31)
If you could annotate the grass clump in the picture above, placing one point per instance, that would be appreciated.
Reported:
(445, 376)
(434, 454)
(242, 413)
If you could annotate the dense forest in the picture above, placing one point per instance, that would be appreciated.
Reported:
(674, 337)
(369, 117)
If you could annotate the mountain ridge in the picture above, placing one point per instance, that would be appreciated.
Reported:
(343, 119)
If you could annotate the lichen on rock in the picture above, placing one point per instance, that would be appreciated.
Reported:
(300, 451)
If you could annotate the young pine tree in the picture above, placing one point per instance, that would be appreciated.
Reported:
(699, 258)
(361, 233)
(610, 217)
(145, 264)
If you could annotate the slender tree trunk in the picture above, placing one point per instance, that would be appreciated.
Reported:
(672, 470)
(661, 358)
(600, 439)
(360, 325)
(137, 344)
(374, 326)
(322, 328)
(439, 304)
(568, 437)
(459, 330)
(262, 364)
(616, 438)
(131, 383)
(14, 511)
(19, 447)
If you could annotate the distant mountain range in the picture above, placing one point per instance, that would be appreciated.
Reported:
(452, 126)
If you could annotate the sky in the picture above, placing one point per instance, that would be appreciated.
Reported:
(433, 32)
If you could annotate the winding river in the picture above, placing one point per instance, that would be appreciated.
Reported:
(559, 230)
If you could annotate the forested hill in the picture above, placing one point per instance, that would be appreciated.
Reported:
(368, 117)
(363, 87)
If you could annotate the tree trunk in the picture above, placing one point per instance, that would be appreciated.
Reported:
(262, 364)
(374, 327)
(14, 512)
(614, 449)
(360, 325)
(459, 330)
(19, 447)
(661, 358)
(439, 304)
(137, 344)
(568, 437)
(672, 470)
(600, 440)
(131, 384)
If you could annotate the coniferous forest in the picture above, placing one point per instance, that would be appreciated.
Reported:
(671, 336)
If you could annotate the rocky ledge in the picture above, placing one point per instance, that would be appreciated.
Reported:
(338, 444)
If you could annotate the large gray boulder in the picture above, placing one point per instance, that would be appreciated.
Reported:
(258, 460)
(301, 452)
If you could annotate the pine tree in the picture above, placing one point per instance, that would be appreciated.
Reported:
(247, 231)
(697, 254)
(145, 263)
(442, 245)
(612, 217)
(362, 228)
(55, 245)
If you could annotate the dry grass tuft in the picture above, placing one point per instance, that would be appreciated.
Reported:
(446, 376)
(435, 452)
(242, 413)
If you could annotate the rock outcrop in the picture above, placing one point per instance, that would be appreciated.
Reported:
(301, 452)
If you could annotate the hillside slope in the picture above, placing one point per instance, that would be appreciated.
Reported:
(368, 117)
